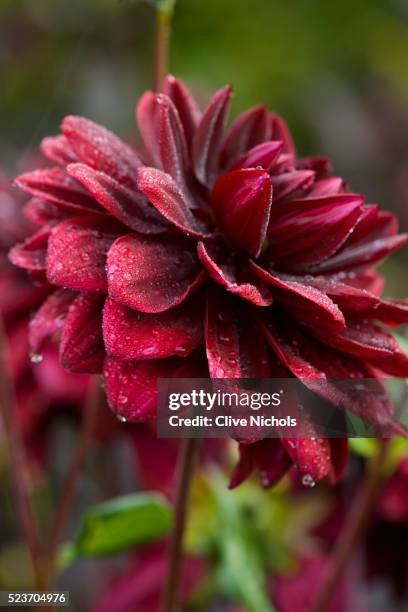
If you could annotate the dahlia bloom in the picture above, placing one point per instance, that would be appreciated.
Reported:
(212, 251)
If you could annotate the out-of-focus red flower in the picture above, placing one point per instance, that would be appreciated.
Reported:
(385, 543)
(298, 591)
(140, 588)
(392, 503)
(213, 251)
(156, 458)
(44, 388)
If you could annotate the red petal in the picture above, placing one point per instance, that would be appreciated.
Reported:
(128, 206)
(163, 135)
(311, 455)
(133, 335)
(172, 142)
(263, 155)
(58, 150)
(285, 163)
(320, 164)
(390, 312)
(242, 200)
(362, 254)
(367, 220)
(54, 185)
(291, 183)
(148, 123)
(17, 297)
(318, 367)
(99, 148)
(339, 453)
(234, 347)
(131, 386)
(370, 342)
(367, 279)
(207, 139)
(348, 298)
(308, 304)
(306, 232)
(267, 456)
(372, 225)
(280, 131)
(189, 113)
(326, 187)
(77, 253)
(81, 347)
(162, 191)
(232, 275)
(32, 253)
(58, 385)
(152, 275)
(49, 318)
(245, 132)
(41, 212)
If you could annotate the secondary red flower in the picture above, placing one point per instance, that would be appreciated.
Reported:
(139, 586)
(213, 251)
(46, 389)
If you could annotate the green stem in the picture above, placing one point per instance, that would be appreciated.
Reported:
(184, 474)
(353, 530)
(165, 9)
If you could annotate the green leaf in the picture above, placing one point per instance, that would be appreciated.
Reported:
(365, 447)
(241, 574)
(397, 451)
(120, 524)
(403, 341)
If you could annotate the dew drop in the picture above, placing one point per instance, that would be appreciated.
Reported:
(224, 339)
(307, 481)
(36, 357)
(121, 418)
(180, 350)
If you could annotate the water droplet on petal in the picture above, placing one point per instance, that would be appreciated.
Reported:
(307, 481)
(121, 418)
(36, 357)
(180, 350)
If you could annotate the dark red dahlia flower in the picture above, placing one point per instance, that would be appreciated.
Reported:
(213, 250)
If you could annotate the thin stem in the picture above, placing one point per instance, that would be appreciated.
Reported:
(16, 454)
(75, 468)
(352, 532)
(184, 473)
(165, 9)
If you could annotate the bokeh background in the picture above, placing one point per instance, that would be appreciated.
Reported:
(337, 71)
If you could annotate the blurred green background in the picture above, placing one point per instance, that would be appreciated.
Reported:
(337, 71)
